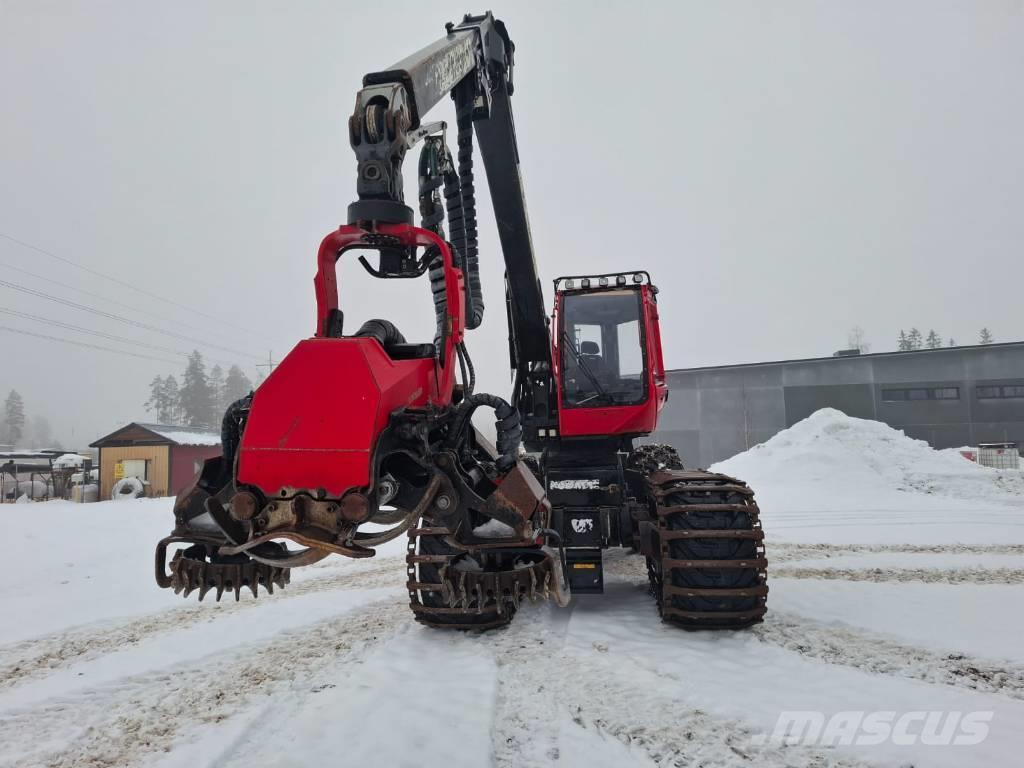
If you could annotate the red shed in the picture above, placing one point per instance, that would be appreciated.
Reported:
(163, 456)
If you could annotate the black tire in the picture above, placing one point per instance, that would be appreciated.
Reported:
(430, 573)
(712, 549)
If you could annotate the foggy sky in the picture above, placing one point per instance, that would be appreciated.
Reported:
(785, 171)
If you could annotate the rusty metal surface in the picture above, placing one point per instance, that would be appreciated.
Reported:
(473, 590)
(518, 501)
(243, 506)
(190, 571)
(318, 547)
(443, 594)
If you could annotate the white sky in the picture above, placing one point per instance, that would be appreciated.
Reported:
(785, 171)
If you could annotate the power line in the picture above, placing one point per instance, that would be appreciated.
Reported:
(106, 299)
(101, 334)
(85, 344)
(80, 329)
(119, 318)
(117, 280)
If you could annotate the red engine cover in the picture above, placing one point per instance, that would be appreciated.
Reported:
(315, 421)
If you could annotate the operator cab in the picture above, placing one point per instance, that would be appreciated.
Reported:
(607, 352)
(602, 349)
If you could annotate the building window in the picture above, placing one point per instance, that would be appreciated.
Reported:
(136, 468)
(999, 392)
(920, 393)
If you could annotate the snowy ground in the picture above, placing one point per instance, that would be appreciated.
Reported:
(897, 584)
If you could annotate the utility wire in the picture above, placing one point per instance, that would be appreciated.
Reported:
(117, 280)
(100, 334)
(106, 299)
(86, 344)
(119, 318)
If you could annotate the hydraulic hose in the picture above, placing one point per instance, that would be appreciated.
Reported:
(507, 423)
(383, 331)
(230, 436)
(435, 160)
(435, 169)
(466, 362)
(466, 245)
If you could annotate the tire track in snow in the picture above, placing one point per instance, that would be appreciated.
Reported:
(864, 650)
(40, 656)
(542, 685)
(121, 724)
(783, 552)
(634, 567)
(877, 654)
(927, 575)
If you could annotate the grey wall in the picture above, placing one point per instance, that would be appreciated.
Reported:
(714, 413)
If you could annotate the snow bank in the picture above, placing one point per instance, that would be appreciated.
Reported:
(835, 478)
(865, 458)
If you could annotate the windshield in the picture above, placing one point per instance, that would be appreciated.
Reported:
(602, 349)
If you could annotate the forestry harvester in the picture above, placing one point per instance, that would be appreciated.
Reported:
(358, 437)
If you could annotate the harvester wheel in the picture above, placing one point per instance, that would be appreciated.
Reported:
(428, 555)
(711, 572)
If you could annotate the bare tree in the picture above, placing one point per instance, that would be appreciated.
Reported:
(855, 340)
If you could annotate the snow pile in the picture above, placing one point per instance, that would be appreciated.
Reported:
(494, 529)
(863, 462)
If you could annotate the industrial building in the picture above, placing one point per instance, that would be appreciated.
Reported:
(165, 458)
(950, 397)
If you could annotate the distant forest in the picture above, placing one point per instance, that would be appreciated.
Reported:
(909, 341)
(201, 398)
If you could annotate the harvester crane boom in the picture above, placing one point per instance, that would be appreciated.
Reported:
(473, 63)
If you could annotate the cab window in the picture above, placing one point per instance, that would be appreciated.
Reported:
(602, 350)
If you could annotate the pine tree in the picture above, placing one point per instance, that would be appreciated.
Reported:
(952, 341)
(914, 339)
(985, 336)
(933, 341)
(163, 399)
(14, 418)
(197, 403)
(236, 385)
(903, 345)
(173, 399)
(217, 388)
(155, 404)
